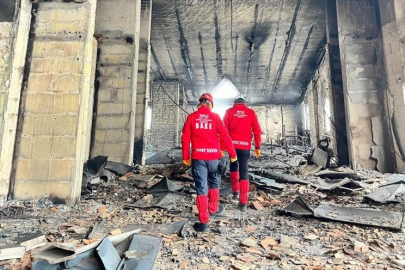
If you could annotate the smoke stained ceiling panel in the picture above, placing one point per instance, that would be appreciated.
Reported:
(266, 48)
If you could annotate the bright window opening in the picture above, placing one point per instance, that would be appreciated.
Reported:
(305, 117)
(148, 118)
(225, 90)
(224, 94)
(326, 111)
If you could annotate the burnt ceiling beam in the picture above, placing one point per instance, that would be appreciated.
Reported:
(169, 50)
(157, 63)
(218, 42)
(203, 59)
(251, 47)
(268, 70)
(232, 25)
(184, 49)
(287, 48)
(235, 64)
(304, 49)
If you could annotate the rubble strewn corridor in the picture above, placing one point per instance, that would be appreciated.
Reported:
(96, 98)
(282, 228)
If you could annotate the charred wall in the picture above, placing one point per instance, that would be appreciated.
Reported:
(393, 29)
(272, 118)
(319, 98)
(363, 72)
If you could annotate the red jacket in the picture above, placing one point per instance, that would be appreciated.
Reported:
(204, 130)
(241, 122)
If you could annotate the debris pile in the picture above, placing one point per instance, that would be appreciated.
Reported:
(300, 216)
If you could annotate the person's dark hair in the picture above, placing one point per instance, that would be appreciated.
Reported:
(239, 100)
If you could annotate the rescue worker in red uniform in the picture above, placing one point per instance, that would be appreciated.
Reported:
(241, 122)
(204, 130)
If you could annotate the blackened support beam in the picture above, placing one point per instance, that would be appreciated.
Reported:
(235, 64)
(267, 76)
(304, 48)
(251, 47)
(169, 50)
(156, 60)
(288, 43)
(203, 59)
(184, 49)
(218, 43)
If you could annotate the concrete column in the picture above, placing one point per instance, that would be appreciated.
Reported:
(54, 122)
(117, 29)
(11, 97)
(339, 112)
(6, 35)
(142, 91)
(393, 36)
(360, 51)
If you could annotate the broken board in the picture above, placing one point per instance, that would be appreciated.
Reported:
(360, 216)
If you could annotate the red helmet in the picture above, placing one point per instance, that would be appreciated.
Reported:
(208, 97)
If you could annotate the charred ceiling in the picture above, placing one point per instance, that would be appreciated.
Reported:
(267, 48)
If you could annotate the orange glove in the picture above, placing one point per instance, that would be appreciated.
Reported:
(257, 153)
(222, 153)
(187, 162)
(234, 159)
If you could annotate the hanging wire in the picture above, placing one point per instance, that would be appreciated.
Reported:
(164, 90)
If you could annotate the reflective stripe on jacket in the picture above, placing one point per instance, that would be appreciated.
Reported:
(204, 130)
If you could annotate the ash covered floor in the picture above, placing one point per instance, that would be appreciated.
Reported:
(268, 236)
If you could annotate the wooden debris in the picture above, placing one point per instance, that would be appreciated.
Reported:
(246, 258)
(240, 266)
(251, 229)
(249, 242)
(253, 250)
(268, 242)
(184, 264)
(361, 247)
(281, 249)
(102, 209)
(257, 205)
(116, 232)
(311, 237)
(274, 255)
(204, 266)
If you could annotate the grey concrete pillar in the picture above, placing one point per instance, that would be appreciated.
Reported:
(10, 101)
(362, 70)
(143, 87)
(56, 107)
(117, 30)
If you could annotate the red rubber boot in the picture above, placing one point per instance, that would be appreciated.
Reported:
(243, 197)
(203, 215)
(213, 207)
(235, 184)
